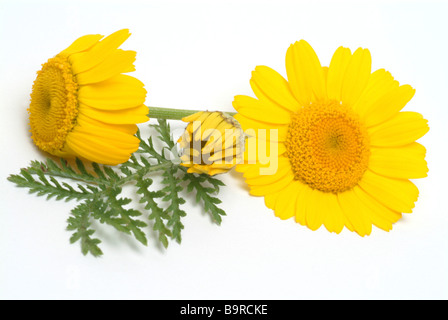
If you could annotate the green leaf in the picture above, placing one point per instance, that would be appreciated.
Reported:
(205, 194)
(80, 223)
(164, 130)
(172, 190)
(126, 221)
(44, 187)
(156, 213)
(98, 189)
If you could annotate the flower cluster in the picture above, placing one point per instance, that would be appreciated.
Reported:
(327, 145)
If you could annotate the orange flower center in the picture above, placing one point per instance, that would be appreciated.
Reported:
(54, 105)
(328, 147)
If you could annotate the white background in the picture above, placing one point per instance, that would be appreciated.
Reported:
(199, 55)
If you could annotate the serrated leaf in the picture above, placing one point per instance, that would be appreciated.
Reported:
(80, 221)
(156, 213)
(172, 190)
(99, 192)
(204, 195)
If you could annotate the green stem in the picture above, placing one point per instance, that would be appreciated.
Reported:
(144, 171)
(96, 181)
(173, 114)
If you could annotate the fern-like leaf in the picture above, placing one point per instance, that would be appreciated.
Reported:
(51, 188)
(172, 190)
(98, 189)
(124, 219)
(156, 213)
(80, 223)
(205, 194)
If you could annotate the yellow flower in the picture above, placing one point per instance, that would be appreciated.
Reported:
(212, 143)
(345, 151)
(82, 105)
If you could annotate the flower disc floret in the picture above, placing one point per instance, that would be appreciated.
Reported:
(54, 107)
(328, 147)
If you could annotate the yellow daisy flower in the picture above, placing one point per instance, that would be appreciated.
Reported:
(82, 105)
(345, 149)
(213, 143)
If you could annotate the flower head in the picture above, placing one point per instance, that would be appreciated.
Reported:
(82, 105)
(346, 151)
(212, 143)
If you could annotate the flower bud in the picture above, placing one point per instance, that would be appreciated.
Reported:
(213, 143)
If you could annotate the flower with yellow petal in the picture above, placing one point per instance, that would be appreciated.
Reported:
(212, 143)
(346, 150)
(82, 105)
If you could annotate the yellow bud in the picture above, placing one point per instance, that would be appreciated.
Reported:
(213, 143)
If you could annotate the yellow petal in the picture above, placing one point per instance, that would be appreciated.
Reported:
(268, 135)
(124, 116)
(374, 212)
(252, 127)
(334, 218)
(336, 72)
(271, 199)
(388, 105)
(87, 60)
(222, 147)
(302, 203)
(212, 121)
(356, 76)
(261, 180)
(401, 129)
(117, 62)
(120, 92)
(194, 169)
(381, 216)
(94, 150)
(82, 44)
(229, 155)
(193, 117)
(101, 143)
(380, 83)
(406, 162)
(263, 151)
(210, 126)
(129, 129)
(396, 194)
(268, 84)
(108, 133)
(257, 110)
(305, 74)
(212, 172)
(355, 212)
(274, 187)
(315, 209)
(285, 206)
(253, 170)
